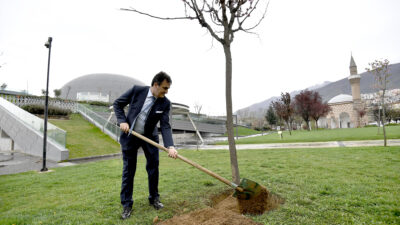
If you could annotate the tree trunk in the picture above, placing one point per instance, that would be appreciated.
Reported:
(383, 120)
(316, 124)
(229, 114)
(289, 128)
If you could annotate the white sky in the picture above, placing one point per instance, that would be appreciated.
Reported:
(301, 43)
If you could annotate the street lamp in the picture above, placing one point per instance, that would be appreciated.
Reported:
(48, 45)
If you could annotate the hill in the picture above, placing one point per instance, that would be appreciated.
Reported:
(327, 90)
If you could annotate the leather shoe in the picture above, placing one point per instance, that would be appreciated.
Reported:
(157, 204)
(126, 213)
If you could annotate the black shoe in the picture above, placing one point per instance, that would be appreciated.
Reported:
(126, 213)
(157, 204)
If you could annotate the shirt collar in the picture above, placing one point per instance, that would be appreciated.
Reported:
(149, 94)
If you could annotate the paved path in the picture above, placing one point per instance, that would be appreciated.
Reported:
(20, 162)
(328, 144)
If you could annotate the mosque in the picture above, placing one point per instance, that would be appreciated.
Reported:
(345, 109)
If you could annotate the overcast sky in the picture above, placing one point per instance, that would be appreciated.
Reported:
(300, 44)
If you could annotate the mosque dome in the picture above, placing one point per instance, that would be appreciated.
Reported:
(342, 98)
(107, 87)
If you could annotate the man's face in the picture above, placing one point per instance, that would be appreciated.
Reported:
(161, 90)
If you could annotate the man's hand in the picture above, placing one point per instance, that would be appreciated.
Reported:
(124, 127)
(172, 152)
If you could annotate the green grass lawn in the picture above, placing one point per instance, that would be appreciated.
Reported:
(348, 134)
(84, 139)
(243, 131)
(320, 186)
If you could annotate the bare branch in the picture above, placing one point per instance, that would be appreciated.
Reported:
(203, 22)
(214, 14)
(259, 21)
(158, 17)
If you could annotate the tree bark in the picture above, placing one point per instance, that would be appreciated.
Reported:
(383, 120)
(229, 114)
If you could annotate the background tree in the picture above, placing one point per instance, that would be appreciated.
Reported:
(270, 116)
(396, 115)
(303, 105)
(3, 86)
(197, 108)
(318, 108)
(380, 70)
(390, 114)
(57, 92)
(222, 19)
(43, 92)
(284, 109)
(361, 113)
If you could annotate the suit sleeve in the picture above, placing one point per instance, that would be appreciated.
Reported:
(119, 105)
(165, 127)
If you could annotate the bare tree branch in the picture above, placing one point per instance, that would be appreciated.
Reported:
(248, 13)
(260, 20)
(158, 17)
(204, 23)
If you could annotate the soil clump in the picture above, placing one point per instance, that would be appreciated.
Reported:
(227, 210)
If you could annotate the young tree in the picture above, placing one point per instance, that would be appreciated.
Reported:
(380, 70)
(396, 115)
(57, 93)
(222, 19)
(271, 116)
(361, 113)
(43, 92)
(303, 105)
(284, 109)
(318, 108)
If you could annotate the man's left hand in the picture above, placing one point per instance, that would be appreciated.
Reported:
(172, 152)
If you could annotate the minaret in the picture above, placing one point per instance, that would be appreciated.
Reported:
(354, 79)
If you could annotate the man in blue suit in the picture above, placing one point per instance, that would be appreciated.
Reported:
(147, 107)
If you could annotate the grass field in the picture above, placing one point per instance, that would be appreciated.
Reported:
(243, 131)
(85, 139)
(320, 186)
(348, 134)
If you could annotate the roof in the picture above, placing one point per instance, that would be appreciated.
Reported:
(108, 84)
(341, 99)
(352, 63)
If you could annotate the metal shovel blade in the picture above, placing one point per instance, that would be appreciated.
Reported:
(250, 189)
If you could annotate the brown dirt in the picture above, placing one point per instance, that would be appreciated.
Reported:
(260, 203)
(226, 209)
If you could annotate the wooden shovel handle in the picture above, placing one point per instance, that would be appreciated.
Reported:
(209, 172)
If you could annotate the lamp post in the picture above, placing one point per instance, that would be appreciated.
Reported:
(48, 45)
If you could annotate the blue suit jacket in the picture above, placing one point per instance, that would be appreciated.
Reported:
(135, 97)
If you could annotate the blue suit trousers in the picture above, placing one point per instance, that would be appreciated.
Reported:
(129, 158)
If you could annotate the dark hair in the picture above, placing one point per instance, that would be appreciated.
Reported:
(160, 77)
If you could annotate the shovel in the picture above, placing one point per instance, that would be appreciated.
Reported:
(247, 189)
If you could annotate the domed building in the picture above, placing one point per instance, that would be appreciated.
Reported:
(98, 87)
(345, 108)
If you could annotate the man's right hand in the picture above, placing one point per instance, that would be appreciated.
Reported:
(124, 127)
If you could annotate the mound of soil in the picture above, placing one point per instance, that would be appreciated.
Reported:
(225, 210)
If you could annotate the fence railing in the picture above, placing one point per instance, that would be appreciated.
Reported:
(54, 133)
(30, 100)
(105, 125)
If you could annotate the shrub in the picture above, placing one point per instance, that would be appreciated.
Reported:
(392, 124)
(53, 111)
(98, 103)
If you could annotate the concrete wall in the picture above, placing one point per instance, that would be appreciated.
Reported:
(28, 140)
